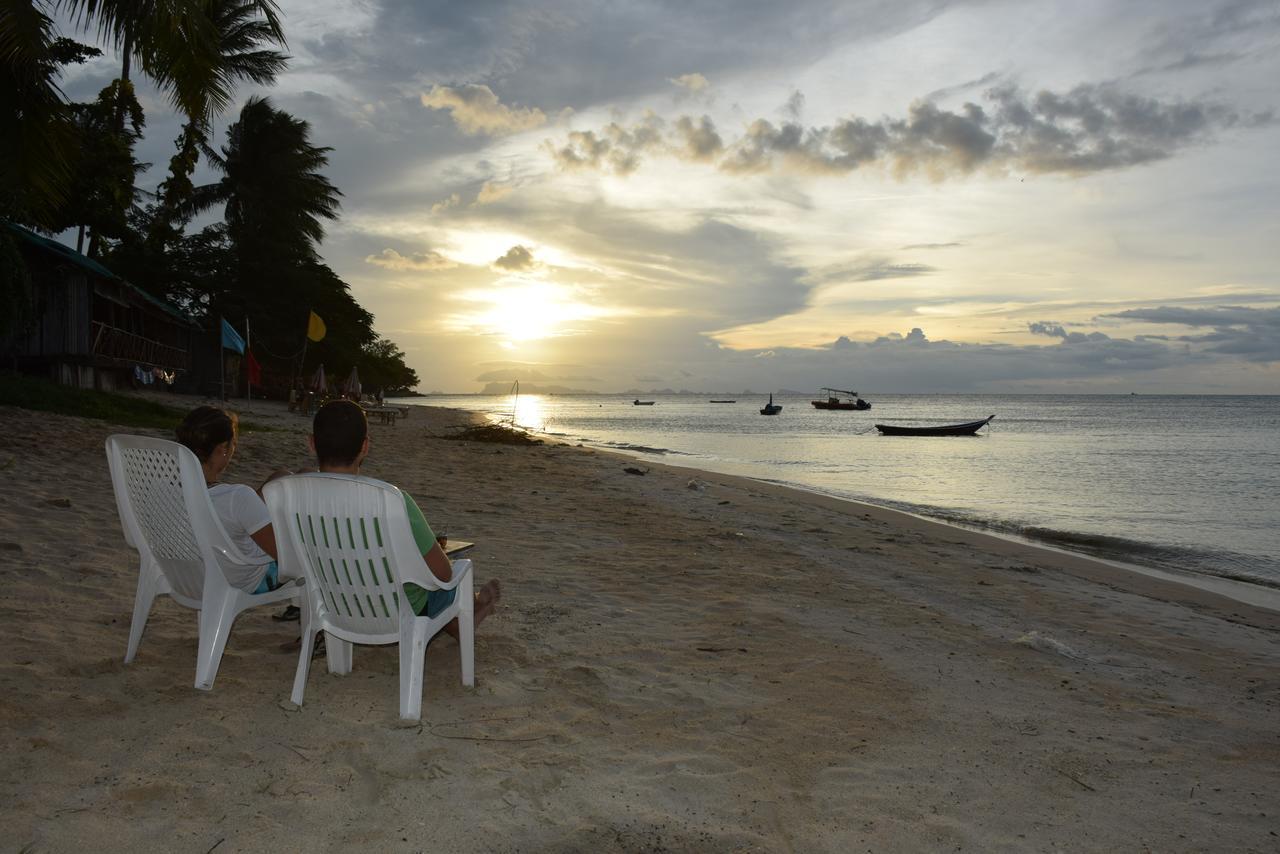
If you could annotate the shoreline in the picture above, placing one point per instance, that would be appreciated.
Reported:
(1222, 596)
(1094, 567)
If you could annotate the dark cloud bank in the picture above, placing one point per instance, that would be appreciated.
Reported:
(1089, 129)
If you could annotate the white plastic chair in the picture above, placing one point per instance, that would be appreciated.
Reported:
(167, 516)
(349, 536)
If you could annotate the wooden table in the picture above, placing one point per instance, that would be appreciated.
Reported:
(457, 547)
(388, 414)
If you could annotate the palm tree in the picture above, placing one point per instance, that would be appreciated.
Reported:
(242, 28)
(271, 186)
(178, 45)
(37, 135)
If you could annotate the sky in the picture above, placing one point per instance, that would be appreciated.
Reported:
(884, 195)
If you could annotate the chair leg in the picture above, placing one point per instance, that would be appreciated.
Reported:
(304, 655)
(216, 616)
(148, 587)
(304, 665)
(467, 631)
(338, 653)
(413, 660)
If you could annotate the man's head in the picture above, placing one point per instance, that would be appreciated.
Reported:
(340, 435)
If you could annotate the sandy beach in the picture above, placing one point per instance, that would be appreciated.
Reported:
(681, 661)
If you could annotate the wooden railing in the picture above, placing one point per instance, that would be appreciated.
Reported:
(112, 343)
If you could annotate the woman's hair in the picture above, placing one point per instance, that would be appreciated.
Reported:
(205, 428)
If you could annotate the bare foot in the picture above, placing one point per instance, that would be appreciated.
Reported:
(485, 602)
(487, 599)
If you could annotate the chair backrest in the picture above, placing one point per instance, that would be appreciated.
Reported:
(350, 537)
(165, 509)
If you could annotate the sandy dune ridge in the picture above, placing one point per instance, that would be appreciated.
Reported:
(681, 662)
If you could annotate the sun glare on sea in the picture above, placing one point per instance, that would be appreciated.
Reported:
(529, 412)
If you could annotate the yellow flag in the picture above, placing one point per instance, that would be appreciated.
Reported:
(315, 327)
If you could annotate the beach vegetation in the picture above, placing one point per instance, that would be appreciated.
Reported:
(40, 395)
(72, 166)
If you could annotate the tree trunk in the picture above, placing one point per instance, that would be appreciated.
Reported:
(126, 50)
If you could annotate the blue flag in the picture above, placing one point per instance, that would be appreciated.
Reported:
(231, 339)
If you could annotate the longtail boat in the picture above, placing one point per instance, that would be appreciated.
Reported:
(967, 429)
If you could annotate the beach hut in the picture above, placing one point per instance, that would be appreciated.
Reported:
(89, 328)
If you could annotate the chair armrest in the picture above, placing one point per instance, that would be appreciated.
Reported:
(460, 570)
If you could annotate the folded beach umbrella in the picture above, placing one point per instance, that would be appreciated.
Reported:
(318, 382)
(351, 387)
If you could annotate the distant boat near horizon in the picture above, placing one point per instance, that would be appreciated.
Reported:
(639, 402)
(724, 401)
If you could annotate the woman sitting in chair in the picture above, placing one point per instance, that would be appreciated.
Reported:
(211, 435)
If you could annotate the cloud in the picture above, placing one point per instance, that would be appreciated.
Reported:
(871, 271)
(932, 245)
(477, 110)
(1086, 130)
(491, 192)
(517, 259)
(1251, 333)
(614, 149)
(424, 261)
(1053, 330)
(694, 83)
(453, 201)
(795, 105)
(698, 140)
(1215, 35)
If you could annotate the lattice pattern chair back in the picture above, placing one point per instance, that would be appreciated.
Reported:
(168, 517)
(155, 480)
(353, 535)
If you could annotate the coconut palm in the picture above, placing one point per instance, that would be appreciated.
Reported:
(178, 45)
(274, 195)
(242, 29)
(37, 135)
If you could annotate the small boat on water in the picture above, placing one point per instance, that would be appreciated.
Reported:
(639, 402)
(771, 408)
(850, 403)
(724, 401)
(967, 429)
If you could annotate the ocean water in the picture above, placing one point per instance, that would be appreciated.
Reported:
(1179, 483)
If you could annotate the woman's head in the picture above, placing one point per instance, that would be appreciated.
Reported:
(205, 428)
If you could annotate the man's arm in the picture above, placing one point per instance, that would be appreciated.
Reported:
(439, 564)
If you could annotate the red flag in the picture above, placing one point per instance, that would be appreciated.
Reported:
(254, 369)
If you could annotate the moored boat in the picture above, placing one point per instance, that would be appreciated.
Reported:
(771, 408)
(850, 403)
(969, 428)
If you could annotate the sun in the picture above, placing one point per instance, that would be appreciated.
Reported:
(525, 311)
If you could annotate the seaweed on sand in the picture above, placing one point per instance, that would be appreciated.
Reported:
(502, 434)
